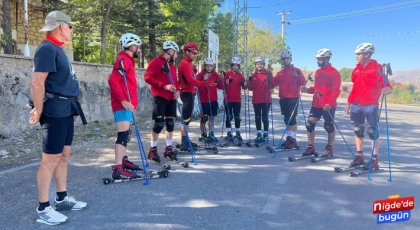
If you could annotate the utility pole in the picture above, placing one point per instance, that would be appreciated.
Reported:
(283, 22)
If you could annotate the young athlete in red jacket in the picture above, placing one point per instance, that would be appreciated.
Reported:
(326, 91)
(260, 84)
(289, 80)
(121, 105)
(233, 82)
(164, 94)
(363, 101)
(208, 99)
(188, 84)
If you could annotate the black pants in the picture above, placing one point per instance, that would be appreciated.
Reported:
(187, 99)
(261, 112)
(233, 111)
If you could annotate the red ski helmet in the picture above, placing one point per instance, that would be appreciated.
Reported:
(190, 46)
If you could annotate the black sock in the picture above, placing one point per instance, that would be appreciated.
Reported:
(184, 140)
(61, 195)
(44, 205)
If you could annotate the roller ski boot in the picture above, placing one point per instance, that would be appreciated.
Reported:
(286, 142)
(258, 139)
(229, 137)
(291, 144)
(211, 138)
(119, 172)
(310, 151)
(203, 137)
(328, 153)
(374, 162)
(153, 155)
(238, 136)
(263, 140)
(169, 153)
(358, 160)
(130, 165)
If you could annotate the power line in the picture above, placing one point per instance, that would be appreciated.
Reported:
(277, 4)
(360, 12)
(417, 32)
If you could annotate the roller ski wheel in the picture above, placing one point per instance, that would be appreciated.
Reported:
(165, 166)
(215, 150)
(362, 171)
(177, 146)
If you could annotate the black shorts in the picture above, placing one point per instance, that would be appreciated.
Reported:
(57, 132)
(187, 99)
(163, 108)
(287, 105)
(320, 112)
(206, 108)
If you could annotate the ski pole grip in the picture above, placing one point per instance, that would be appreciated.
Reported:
(121, 65)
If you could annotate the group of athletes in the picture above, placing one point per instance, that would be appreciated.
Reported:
(55, 89)
(369, 84)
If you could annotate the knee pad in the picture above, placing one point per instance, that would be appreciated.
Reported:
(329, 127)
(170, 124)
(159, 124)
(310, 126)
(204, 119)
(359, 130)
(123, 138)
(371, 132)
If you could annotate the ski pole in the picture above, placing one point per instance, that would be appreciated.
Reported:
(288, 122)
(183, 122)
(139, 143)
(267, 91)
(386, 70)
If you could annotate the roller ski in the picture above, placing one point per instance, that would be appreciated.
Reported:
(172, 156)
(309, 153)
(264, 140)
(328, 154)
(120, 174)
(365, 169)
(153, 155)
(231, 139)
(288, 145)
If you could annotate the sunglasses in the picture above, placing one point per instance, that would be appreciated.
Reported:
(194, 52)
(68, 24)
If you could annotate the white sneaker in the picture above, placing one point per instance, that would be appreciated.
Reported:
(50, 216)
(69, 203)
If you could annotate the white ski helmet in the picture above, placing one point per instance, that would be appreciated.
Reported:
(260, 59)
(365, 48)
(170, 45)
(129, 39)
(236, 60)
(286, 54)
(323, 53)
(208, 61)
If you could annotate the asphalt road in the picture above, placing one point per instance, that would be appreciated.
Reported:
(239, 188)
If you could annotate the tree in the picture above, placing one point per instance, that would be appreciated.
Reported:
(7, 29)
(107, 9)
(222, 25)
(346, 74)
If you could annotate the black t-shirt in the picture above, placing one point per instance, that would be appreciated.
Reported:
(61, 80)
